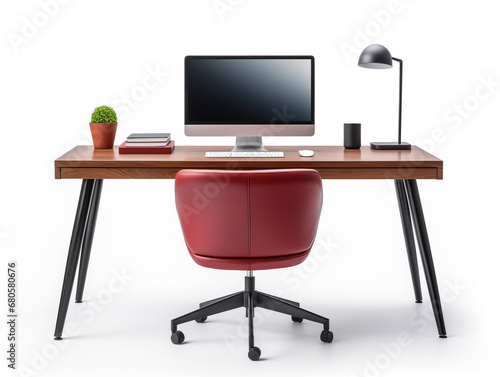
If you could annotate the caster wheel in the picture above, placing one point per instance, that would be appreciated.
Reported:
(200, 320)
(177, 337)
(326, 336)
(254, 353)
(297, 319)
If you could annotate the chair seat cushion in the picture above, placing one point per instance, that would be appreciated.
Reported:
(247, 264)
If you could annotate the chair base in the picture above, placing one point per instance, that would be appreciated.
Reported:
(250, 299)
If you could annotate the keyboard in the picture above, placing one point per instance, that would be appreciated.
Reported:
(245, 154)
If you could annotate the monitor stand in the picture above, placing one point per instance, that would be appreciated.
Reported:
(249, 144)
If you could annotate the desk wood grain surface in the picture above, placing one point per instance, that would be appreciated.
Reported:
(332, 162)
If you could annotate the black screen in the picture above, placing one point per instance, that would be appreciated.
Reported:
(249, 90)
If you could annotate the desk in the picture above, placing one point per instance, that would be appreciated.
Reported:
(332, 162)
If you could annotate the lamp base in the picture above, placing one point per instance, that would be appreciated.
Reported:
(384, 145)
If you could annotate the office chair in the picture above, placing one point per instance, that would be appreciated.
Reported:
(249, 220)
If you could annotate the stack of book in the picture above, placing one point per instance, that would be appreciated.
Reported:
(148, 143)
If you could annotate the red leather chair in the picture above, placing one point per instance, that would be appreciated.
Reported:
(249, 220)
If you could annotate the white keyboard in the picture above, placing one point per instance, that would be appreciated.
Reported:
(244, 154)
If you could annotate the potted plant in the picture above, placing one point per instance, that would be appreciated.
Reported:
(103, 127)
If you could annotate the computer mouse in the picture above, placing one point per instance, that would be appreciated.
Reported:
(306, 153)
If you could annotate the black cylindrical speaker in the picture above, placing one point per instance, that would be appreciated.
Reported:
(352, 135)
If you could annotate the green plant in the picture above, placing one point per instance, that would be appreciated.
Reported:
(103, 114)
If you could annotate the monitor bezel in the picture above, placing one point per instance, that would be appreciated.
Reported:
(244, 131)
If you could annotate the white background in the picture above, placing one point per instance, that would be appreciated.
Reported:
(58, 62)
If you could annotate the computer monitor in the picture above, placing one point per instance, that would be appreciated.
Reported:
(249, 97)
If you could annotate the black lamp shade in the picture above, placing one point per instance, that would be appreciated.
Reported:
(375, 56)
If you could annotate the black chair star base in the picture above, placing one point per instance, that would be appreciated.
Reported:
(250, 299)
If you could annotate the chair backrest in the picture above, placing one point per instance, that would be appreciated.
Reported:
(248, 214)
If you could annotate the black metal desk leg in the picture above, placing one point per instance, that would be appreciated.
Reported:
(425, 252)
(73, 254)
(88, 237)
(404, 211)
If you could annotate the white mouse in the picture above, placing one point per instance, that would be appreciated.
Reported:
(306, 153)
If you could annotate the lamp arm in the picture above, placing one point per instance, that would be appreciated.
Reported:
(400, 95)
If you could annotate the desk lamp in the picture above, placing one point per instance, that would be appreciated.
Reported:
(378, 57)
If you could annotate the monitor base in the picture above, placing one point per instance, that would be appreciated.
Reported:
(249, 144)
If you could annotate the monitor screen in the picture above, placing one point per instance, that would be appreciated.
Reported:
(249, 90)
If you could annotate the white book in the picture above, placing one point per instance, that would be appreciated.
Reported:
(148, 140)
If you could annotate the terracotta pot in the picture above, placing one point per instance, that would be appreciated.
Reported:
(103, 134)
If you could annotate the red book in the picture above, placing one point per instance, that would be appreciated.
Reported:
(147, 150)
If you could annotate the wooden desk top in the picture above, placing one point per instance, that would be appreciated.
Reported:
(333, 162)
